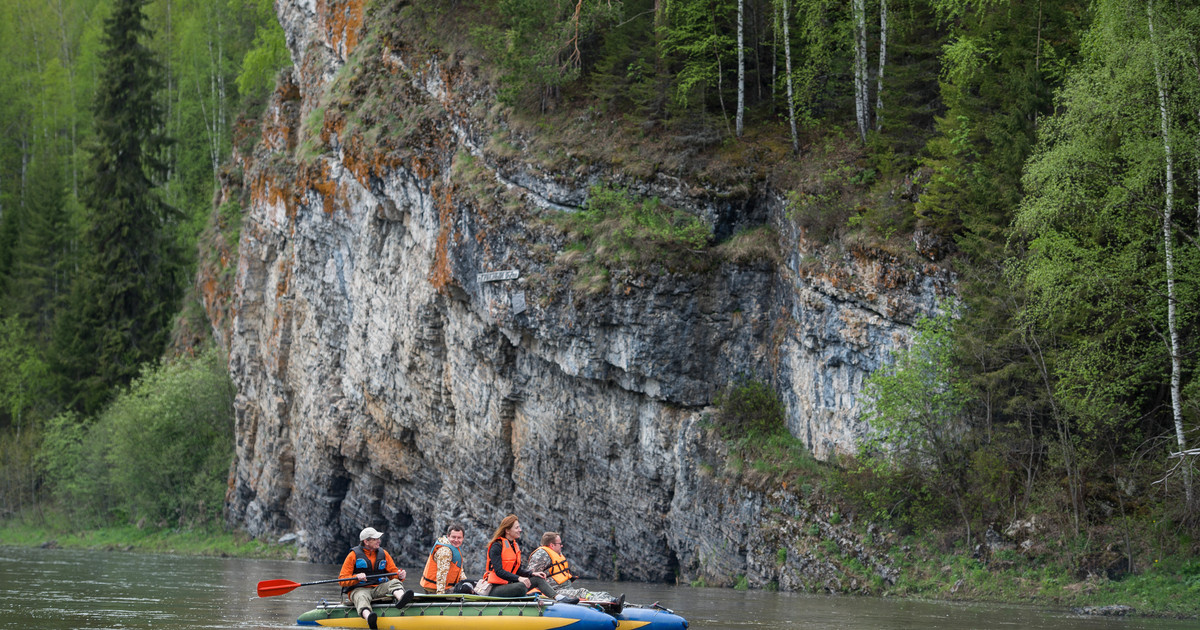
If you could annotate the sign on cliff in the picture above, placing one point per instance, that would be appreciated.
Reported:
(493, 276)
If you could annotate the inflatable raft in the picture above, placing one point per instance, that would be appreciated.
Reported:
(446, 612)
(649, 618)
(449, 612)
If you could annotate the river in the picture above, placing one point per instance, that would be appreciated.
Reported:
(59, 589)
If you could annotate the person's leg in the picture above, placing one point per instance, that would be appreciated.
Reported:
(543, 585)
(387, 589)
(393, 589)
(361, 598)
(512, 589)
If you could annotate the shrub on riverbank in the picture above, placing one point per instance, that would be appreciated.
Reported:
(157, 455)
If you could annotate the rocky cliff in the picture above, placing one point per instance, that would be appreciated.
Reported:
(387, 375)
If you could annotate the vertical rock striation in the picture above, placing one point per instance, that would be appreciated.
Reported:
(384, 381)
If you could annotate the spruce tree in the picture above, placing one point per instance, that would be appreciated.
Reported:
(41, 256)
(127, 287)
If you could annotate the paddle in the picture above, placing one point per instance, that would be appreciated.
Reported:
(271, 588)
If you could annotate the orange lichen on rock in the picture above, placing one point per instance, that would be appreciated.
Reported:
(365, 162)
(439, 273)
(317, 178)
(341, 22)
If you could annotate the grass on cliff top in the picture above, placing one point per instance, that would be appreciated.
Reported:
(615, 231)
(201, 541)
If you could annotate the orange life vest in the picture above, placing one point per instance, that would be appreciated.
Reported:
(429, 578)
(510, 560)
(559, 570)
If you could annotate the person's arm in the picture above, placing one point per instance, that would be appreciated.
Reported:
(348, 574)
(539, 560)
(442, 557)
(496, 555)
(391, 566)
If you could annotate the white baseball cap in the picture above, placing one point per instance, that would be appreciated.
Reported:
(369, 533)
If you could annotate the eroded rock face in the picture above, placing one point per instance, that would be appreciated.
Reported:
(383, 381)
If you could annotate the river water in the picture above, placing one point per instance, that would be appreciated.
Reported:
(44, 589)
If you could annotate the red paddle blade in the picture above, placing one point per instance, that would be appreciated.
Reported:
(271, 588)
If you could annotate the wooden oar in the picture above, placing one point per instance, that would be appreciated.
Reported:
(271, 588)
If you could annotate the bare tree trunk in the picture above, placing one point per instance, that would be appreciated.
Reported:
(774, 54)
(170, 158)
(720, 84)
(1176, 364)
(883, 29)
(69, 64)
(1064, 432)
(741, 87)
(787, 56)
(860, 68)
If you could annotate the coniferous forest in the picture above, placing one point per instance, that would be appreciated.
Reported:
(1048, 152)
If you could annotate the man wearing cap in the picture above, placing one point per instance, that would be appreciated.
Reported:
(365, 574)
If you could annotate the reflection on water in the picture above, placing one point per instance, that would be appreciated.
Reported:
(88, 590)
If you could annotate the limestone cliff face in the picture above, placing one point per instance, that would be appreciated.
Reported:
(384, 380)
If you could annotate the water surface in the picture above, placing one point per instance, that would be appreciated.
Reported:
(44, 589)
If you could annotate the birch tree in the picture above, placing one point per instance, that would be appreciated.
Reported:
(883, 31)
(741, 75)
(1102, 267)
(1169, 258)
(787, 56)
(861, 98)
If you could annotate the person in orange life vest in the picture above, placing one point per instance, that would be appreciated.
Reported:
(443, 569)
(504, 573)
(550, 559)
(364, 576)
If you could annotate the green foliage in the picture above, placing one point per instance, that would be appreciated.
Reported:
(159, 452)
(999, 67)
(917, 434)
(73, 467)
(1095, 272)
(749, 408)
(615, 231)
(537, 44)
(267, 54)
(128, 282)
(23, 373)
(700, 38)
(752, 418)
(625, 76)
(19, 480)
(914, 404)
(741, 583)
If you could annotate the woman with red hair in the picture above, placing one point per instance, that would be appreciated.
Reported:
(504, 573)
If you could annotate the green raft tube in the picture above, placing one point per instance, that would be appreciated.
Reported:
(452, 612)
(448, 612)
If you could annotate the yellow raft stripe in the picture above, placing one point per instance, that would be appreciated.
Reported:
(628, 624)
(455, 623)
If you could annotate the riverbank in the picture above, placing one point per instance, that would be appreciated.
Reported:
(1169, 588)
(202, 541)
